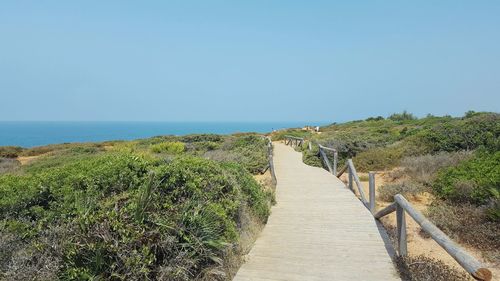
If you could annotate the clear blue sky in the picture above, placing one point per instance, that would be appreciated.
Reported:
(246, 60)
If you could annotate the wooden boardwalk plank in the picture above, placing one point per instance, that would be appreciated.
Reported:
(318, 230)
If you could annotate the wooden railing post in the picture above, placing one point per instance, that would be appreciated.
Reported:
(401, 230)
(351, 178)
(335, 162)
(371, 195)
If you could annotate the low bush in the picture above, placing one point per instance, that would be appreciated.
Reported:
(403, 116)
(311, 158)
(407, 189)
(117, 216)
(378, 158)
(57, 158)
(39, 150)
(201, 138)
(168, 147)
(8, 165)
(248, 150)
(478, 131)
(475, 180)
(10, 151)
(421, 268)
(423, 169)
(467, 224)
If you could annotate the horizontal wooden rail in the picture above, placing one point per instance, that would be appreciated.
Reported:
(290, 140)
(327, 148)
(341, 172)
(332, 167)
(402, 206)
(353, 174)
(293, 137)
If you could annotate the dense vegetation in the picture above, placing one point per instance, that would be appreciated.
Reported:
(455, 160)
(165, 208)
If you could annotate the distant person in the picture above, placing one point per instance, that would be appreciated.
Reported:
(316, 129)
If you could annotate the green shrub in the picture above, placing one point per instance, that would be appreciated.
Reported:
(55, 148)
(247, 150)
(108, 216)
(378, 158)
(56, 158)
(202, 138)
(189, 218)
(407, 189)
(475, 180)
(311, 158)
(58, 189)
(168, 147)
(482, 130)
(403, 116)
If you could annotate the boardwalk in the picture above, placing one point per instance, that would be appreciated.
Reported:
(318, 230)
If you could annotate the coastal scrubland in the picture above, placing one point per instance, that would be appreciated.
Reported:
(448, 166)
(162, 208)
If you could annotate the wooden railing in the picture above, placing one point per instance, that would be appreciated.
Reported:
(270, 164)
(291, 140)
(270, 158)
(322, 151)
(402, 206)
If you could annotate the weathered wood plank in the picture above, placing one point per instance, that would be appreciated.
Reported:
(371, 189)
(468, 262)
(316, 232)
(385, 211)
(358, 182)
(325, 160)
(341, 172)
(401, 230)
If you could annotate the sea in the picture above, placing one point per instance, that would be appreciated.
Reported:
(30, 134)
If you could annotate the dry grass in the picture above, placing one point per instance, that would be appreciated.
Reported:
(423, 169)
(8, 165)
(421, 268)
(469, 225)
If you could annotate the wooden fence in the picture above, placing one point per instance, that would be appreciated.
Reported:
(322, 152)
(270, 158)
(291, 140)
(401, 206)
(270, 164)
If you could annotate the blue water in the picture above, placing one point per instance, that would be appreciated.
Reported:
(29, 134)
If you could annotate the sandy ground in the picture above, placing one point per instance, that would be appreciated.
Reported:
(26, 159)
(417, 243)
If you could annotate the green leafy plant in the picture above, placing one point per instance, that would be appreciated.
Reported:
(168, 147)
